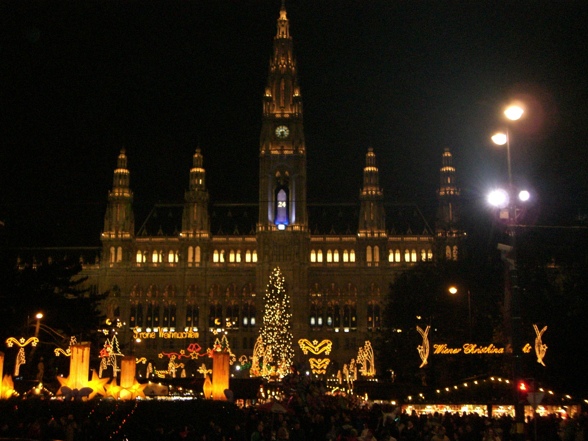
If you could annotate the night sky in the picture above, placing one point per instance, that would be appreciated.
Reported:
(81, 80)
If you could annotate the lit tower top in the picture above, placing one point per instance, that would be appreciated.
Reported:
(447, 185)
(119, 219)
(282, 104)
(195, 220)
(282, 165)
(372, 221)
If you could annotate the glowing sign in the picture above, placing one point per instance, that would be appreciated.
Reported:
(160, 333)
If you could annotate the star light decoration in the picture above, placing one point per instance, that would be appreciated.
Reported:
(275, 333)
(96, 385)
(7, 388)
(136, 390)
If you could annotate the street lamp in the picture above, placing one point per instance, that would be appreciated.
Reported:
(38, 316)
(453, 290)
(505, 201)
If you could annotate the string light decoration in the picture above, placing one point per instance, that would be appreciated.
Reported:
(20, 356)
(319, 365)
(275, 333)
(540, 347)
(365, 357)
(423, 348)
(192, 352)
(67, 352)
(108, 355)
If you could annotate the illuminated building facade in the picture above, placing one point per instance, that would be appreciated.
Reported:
(202, 267)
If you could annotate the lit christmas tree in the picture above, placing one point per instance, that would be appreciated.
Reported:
(275, 330)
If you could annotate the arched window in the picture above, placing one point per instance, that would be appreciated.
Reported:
(345, 256)
(155, 256)
(319, 256)
(397, 256)
(368, 254)
(169, 315)
(192, 316)
(423, 255)
(139, 257)
(215, 316)
(215, 256)
(197, 257)
(429, 254)
(254, 256)
(352, 256)
(454, 252)
(407, 255)
(329, 256)
(190, 254)
(238, 256)
(376, 253)
(171, 256)
(232, 256)
(313, 256)
(119, 254)
(248, 256)
(336, 256)
(448, 252)
(390, 256)
(413, 256)
(373, 316)
(111, 258)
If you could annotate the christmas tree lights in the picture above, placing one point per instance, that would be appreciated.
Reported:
(276, 335)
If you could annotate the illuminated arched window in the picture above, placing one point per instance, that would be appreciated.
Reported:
(319, 256)
(232, 256)
(423, 255)
(352, 256)
(111, 258)
(336, 256)
(329, 256)
(119, 254)
(192, 316)
(169, 315)
(373, 316)
(407, 255)
(413, 256)
(190, 254)
(448, 252)
(248, 256)
(171, 256)
(254, 256)
(215, 256)
(238, 256)
(397, 256)
(197, 255)
(222, 256)
(429, 254)
(376, 253)
(329, 316)
(313, 256)
(139, 257)
(345, 256)
(454, 252)
(368, 254)
(391, 256)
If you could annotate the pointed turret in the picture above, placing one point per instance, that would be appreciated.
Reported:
(195, 220)
(447, 228)
(119, 221)
(372, 217)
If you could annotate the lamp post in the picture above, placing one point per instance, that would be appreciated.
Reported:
(506, 202)
(38, 316)
(453, 290)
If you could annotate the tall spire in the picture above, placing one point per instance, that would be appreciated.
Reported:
(195, 220)
(282, 177)
(372, 217)
(119, 220)
(447, 228)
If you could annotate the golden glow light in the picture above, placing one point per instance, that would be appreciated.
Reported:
(365, 358)
(514, 112)
(220, 375)
(319, 366)
(540, 347)
(423, 348)
(315, 347)
(20, 356)
(275, 333)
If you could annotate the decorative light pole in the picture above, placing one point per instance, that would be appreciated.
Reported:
(505, 201)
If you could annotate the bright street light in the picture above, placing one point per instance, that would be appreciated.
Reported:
(498, 198)
(524, 195)
(499, 138)
(514, 112)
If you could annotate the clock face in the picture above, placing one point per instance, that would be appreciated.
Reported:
(282, 132)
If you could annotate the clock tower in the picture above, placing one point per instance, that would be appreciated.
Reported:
(282, 230)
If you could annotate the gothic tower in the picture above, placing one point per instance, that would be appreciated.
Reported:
(372, 217)
(282, 230)
(195, 222)
(448, 232)
(119, 222)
